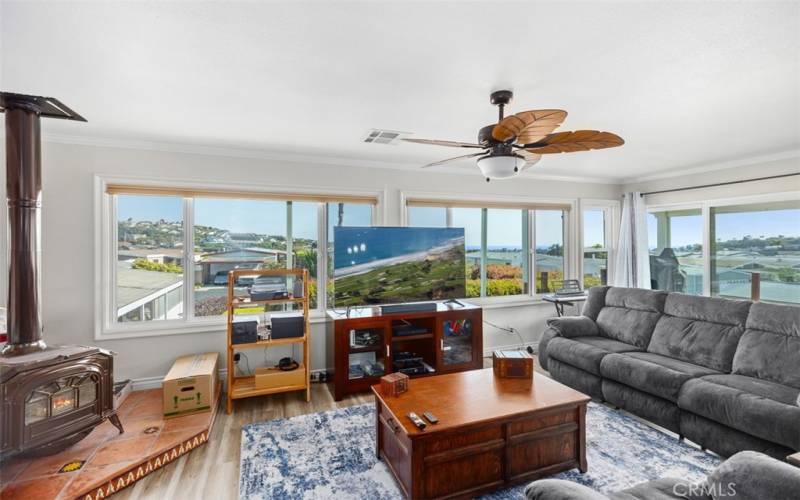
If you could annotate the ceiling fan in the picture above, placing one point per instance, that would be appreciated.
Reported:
(518, 141)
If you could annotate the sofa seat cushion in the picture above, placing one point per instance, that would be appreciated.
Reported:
(665, 488)
(658, 375)
(586, 353)
(759, 407)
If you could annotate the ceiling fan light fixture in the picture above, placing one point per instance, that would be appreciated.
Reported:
(500, 167)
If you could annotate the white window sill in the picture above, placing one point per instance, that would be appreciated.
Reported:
(218, 326)
(160, 328)
(506, 301)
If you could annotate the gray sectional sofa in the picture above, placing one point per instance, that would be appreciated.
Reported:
(745, 476)
(723, 373)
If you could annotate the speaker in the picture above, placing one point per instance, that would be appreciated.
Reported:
(410, 307)
(244, 331)
(287, 325)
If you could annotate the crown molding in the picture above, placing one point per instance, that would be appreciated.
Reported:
(260, 154)
(743, 162)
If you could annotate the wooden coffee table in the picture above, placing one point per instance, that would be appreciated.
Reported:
(492, 432)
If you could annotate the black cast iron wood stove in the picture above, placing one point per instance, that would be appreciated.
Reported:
(52, 396)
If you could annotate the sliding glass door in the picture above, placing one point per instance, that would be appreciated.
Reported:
(676, 250)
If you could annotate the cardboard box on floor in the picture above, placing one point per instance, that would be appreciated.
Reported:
(190, 384)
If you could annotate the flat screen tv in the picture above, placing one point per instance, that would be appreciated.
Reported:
(389, 265)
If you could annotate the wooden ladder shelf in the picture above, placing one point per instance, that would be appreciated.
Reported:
(244, 386)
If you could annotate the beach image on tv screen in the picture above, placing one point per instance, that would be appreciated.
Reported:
(388, 265)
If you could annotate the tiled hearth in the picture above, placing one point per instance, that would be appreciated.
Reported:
(105, 461)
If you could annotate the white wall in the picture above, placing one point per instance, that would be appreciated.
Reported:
(68, 232)
(756, 169)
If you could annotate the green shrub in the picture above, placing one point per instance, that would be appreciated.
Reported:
(473, 288)
(504, 287)
(155, 266)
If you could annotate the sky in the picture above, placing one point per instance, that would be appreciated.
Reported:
(237, 216)
(504, 226)
(688, 230)
(269, 217)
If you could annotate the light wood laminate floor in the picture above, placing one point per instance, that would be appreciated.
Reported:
(212, 471)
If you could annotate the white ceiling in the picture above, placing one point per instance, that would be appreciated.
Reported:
(685, 84)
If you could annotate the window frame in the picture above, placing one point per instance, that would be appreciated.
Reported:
(705, 207)
(105, 245)
(611, 215)
(570, 234)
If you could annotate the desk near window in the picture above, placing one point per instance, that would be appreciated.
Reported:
(559, 301)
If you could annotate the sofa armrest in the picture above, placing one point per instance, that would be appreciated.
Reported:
(574, 326)
(559, 489)
(567, 326)
(749, 475)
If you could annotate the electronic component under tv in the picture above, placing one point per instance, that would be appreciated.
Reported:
(405, 329)
(392, 265)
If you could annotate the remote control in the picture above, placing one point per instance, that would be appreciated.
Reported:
(430, 417)
(417, 421)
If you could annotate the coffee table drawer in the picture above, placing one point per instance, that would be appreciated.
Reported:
(448, 442)
(463, 473)
(544, 420)
(529, 456)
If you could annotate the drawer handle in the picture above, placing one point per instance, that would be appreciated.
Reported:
(393, 425)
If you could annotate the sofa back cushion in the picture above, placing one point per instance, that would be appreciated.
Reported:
(630, 314)
(595, 302)
(701, 330)
(770, 346)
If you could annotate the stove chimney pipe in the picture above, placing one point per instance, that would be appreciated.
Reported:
(24, 198)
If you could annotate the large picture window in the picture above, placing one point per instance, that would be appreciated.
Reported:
(149, 259)
(596, 239)
(747, 248)
(756, 241)
(172, 252)
(343, 214)
(505, 246)
(549, 252)
(234, 234)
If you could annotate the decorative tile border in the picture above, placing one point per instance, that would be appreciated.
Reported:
(137, 472)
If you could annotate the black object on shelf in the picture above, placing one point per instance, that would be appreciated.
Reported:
(244, 332)
(287, 325)
(411, 307)
(407, 329)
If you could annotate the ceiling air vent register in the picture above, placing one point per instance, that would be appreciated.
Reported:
(379, 136)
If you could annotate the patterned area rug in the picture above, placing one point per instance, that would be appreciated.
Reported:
(332, 455)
